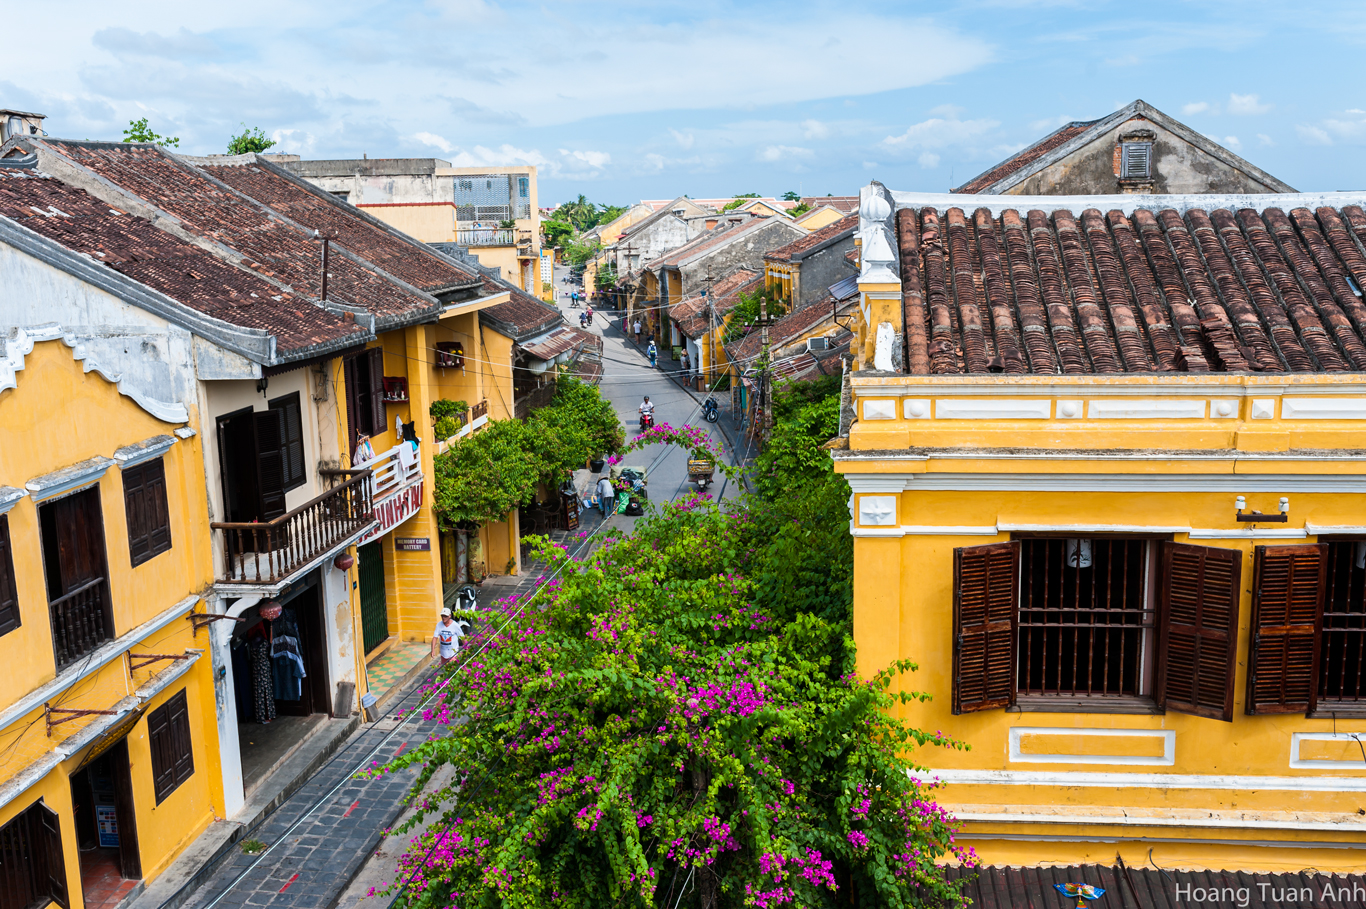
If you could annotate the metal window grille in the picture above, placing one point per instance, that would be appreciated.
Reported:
(1085, 618)
(1138, 160)
(523, 201)
(1342, 653)
(487, 197)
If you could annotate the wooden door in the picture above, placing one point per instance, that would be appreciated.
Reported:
(130, 860)
(374, 611)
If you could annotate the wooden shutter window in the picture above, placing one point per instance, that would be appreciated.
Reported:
(270, 477)
(1199, 629)
(292, 457)
(54, 860)
(379, 416)
(986, 593)
(149, 518)
(9, 598)
(1287, 621)
(168, 730)
(353, 408)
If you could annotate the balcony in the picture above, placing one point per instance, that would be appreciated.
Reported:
(485, 237)
(270, 552)
(80, 621)
(480, 410)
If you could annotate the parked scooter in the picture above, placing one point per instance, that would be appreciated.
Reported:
(711, 410)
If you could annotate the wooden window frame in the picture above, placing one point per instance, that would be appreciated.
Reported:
(369, 415)
(172, 747)
(36, 834)
(10, 617)
(146, 510)
(292, 448)
(1324, 706)
(1205, 598)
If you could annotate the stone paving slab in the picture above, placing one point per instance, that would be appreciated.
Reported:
(319, 839)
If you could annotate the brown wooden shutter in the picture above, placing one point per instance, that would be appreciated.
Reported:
(158, 509)
(1199, 629)
(50, 847)
(135, 507)
(270, 477)
(353, 427)
(182, 748)
(163, 755)
(379, 417)
(1287, 621)
(986, 589)
(9, 597)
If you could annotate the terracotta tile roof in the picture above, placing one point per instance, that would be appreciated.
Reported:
(695, 321)
(783, 331)
(1155, 291)
(191, 276)
(1025, 157)
(521, 317)
(852, 256)
(846, 225)
(711, 241)
(368, 238)
(270, 245)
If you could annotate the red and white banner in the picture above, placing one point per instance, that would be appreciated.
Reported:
(394, 510)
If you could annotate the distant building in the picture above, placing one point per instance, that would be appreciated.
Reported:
(20, 123)
(1137, 149)
(490, 210)
(802, 271)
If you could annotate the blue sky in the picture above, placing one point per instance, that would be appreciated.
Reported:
(622, 101)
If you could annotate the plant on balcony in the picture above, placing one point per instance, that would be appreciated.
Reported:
(444, 407)
(648, 727)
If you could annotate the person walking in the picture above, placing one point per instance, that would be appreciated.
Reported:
(446, 638)
(605, 495)
(683, 363)
(653, 353)
(636, 327)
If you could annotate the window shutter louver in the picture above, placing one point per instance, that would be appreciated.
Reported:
(353, 427)
(1199, 629)
(183, 751)
(292, 462)
(163, 762)
(158, 509)
(51, 843)
(985, 608)
(1287, 621)
(149, 521)
(270, 462)
(379, 417)
(139, 547)
(9, 597)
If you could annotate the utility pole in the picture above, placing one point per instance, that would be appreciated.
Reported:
(765, 379)
(711, 333)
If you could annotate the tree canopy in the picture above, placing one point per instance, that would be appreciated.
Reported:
(249, 140)
(140, 131)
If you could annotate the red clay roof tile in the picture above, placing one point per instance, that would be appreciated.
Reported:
(847, 224)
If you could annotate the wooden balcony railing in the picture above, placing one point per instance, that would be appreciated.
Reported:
(80, 621)
(479, 410)
(263, 553)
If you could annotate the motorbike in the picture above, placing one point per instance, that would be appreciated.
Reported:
(701, 471)
(647, 421)
(711, 410)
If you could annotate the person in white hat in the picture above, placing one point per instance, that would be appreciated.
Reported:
(446, 639)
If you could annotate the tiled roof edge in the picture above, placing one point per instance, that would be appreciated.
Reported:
(1181, 202)
(256, 345)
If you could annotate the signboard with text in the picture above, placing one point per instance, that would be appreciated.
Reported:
(413, 544)
(394, 510)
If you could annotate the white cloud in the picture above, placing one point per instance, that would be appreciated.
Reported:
(293, 141)
(435, 141)
(1246, 104)
(1232, 142)
(1264, 139)
(595, 159)
(928, 160)
(948, 111)
(1195, 107)
(1049, 124)
(938, 133)
(684, 139)
(1314, 135)
(784, 153)
(815, 129)
(1356, 110)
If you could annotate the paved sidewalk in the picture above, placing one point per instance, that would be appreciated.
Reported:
(319, 841)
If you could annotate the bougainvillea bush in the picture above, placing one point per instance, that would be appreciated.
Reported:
(643, 733)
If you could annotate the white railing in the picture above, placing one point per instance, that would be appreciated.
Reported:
(387, 473)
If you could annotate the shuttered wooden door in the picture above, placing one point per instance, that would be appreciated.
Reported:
(1287, 620)
(374, 610)
(353, 426)
(379, 416)
(9, 598)
(51, 847)
(270, 462)
(986, 591)
(1199, 629)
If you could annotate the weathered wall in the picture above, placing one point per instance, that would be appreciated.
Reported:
(1178, 167)
(820, 270)
(746, 252)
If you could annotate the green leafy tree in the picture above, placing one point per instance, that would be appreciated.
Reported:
(791, 196)
(747, 310)
(648, 731)
(609, 213)
(140, 131)
(739, 200)
(578, 252)
(248, 141)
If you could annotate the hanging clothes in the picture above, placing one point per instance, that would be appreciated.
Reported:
(263, 687)
(286, 654)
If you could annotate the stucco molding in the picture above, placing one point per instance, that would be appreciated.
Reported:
(1114, 387)
(1323, 408)
(1166, 759)
(68, 479)
(1100, 780)
(990, 409)
(1357, 739)
(1146, 409)
(10, 496)
(1233, 533)
(146, 450)
(1141, 483)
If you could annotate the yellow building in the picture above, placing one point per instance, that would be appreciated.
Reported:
(1108, 494)
(492, 211)
(803, 271)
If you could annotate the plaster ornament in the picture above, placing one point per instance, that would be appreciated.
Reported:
(877, 511)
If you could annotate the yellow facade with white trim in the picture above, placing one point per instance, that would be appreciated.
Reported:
(940, 462)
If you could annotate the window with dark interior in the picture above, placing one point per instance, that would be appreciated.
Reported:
(1137, 161)
(32, 867)
(292, 440)
(1095, 624)
(9, 597)
(168, 729)
(364, 376)
(72, 531)
(149, 519)
(1342, 650)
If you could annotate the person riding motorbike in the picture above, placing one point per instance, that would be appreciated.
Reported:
(647, 414)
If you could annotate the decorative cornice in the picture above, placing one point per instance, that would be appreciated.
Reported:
(145, 450)
(9, 497)
(59, 482)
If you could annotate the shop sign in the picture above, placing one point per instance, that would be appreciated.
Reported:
(413, 544)
(394, 510)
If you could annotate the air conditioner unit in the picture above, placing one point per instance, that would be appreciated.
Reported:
(817, 344)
